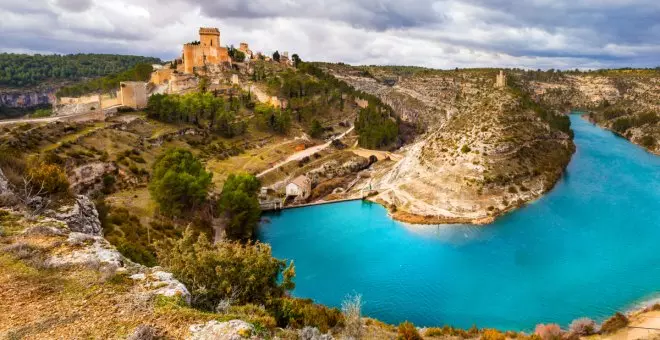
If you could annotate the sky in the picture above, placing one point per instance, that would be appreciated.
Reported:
(561, 34)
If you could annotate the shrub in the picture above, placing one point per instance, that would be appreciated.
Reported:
(614, 323)
(647, 141)
(407, 331)
(583, 326)
(351, 307)
(299, 313)
(465, 149)
(551, 331)
(246, 273)
(240, 206)
(179, 181)
(492, 334)
(52, 177)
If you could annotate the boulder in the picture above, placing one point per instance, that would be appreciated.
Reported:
(159, 282)
(229, 330)
(81, 216)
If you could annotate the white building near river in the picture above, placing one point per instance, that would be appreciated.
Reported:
(300, 187)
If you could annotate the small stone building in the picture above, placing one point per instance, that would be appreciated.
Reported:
(500, 80)
(300, 188)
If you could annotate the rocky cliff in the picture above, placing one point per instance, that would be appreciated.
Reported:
(624, 101)
(18, 98)
(480, 151)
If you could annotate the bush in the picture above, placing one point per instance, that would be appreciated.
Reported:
(614, 323)
(583, 326)
(244, 273)
(407, 331)
(299, 313)
(647, 141)
(49, 176)
(551, 331)
(492, 334)
(351, 307)
(465, 149)
(179, 182)
(240, 206)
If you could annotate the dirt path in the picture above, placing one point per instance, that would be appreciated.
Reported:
(304, 153)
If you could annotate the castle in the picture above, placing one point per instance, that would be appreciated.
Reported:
(500, 80)
(205, 51)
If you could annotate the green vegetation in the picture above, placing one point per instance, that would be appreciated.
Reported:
(41, 113)
(271, 119)
(179, 182)
(50, 178)
(240, 207)
(109, 83)
(201, 109)
(19, 70)
(227, 271)
(376, 128)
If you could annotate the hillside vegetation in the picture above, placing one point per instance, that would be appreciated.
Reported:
(22, 70)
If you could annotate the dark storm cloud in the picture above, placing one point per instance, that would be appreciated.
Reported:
(378, 15)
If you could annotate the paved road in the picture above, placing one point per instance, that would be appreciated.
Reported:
(52, 118)
(304, 153)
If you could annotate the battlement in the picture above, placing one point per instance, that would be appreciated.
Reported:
(209, 31)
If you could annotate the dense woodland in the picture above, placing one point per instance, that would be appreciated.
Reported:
(139, 72)
(22, 70)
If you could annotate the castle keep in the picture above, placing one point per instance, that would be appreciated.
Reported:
(206, 51)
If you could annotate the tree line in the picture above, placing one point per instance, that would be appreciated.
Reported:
(109, 83)
(21, 70)
(202, 109)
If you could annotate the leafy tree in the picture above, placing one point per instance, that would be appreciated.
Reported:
(179, 181)
(240, 206)
(316, 130)
(296, 60)
(276, 56)
(244, 273)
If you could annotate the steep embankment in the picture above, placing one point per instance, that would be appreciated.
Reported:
(481, 151)
(624, 101)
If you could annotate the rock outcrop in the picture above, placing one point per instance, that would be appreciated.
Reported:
(81, 216)
(27, 98)
(88, 178)
(229, 330)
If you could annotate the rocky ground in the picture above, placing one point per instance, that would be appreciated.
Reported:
(478, 152)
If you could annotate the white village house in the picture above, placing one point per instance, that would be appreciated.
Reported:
(300, 188)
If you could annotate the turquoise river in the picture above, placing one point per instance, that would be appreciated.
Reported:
(590, 247)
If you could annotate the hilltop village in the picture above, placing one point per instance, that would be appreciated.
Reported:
(137, 202)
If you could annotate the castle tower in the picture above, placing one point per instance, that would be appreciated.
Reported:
(500, 80)
(209, 36)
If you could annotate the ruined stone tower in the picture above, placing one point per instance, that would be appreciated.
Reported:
(500, 80)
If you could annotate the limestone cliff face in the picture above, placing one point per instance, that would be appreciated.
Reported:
(627, 102)
(480, 152)
(27, 98)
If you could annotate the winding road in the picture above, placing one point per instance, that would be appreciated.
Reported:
(304, 153)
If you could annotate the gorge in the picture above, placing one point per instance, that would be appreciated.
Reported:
(587, 248)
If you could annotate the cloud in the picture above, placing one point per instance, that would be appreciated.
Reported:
(444, 33)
